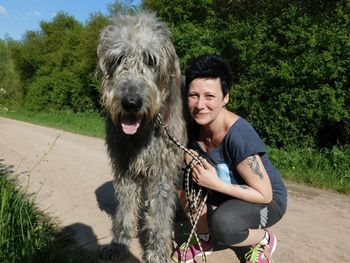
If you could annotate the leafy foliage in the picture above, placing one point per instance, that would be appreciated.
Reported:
(57, 64)
(293, 78)
(290, 59)
(10, 85)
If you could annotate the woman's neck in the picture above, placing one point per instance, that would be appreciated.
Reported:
(211, 135)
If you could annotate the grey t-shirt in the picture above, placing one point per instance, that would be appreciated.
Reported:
(240, 142)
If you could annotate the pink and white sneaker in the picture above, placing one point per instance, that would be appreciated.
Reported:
(192, 251)
(262, 253)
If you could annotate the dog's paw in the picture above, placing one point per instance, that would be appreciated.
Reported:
(114, 252)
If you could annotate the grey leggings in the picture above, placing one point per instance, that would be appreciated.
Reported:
(230, 222)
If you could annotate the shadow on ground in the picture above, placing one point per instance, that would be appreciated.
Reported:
(107, 202)
(182, 227)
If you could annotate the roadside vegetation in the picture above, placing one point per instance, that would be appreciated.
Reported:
(325, 168)
(25, 233)
(85, 123)
(29, 235)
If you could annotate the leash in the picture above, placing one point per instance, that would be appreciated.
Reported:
(196, 200)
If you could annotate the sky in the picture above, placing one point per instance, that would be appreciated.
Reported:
(20, 16)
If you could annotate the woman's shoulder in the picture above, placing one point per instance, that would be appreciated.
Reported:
(241, 125)
(242, 133)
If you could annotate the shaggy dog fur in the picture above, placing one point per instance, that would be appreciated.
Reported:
(140, 79)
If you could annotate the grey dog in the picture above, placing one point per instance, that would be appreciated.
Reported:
(140, 79)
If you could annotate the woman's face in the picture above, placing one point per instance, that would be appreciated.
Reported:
(205, 100)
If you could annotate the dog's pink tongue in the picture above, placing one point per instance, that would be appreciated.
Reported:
(130, 127)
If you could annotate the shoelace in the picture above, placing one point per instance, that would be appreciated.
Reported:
(253, 254)
(192, 242)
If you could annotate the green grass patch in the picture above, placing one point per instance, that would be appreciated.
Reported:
(326, 168)
(85, 123)
(25, 232)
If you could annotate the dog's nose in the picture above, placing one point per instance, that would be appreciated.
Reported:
(132, 103)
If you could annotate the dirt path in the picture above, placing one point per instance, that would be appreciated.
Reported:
(72, 178)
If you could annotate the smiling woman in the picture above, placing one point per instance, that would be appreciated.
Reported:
(246, 194)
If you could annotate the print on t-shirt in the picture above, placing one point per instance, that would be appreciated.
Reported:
(224, 172)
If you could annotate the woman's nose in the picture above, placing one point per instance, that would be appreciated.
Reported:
(200, 103)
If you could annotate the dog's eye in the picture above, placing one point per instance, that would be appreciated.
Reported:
(150, 61)
(114, 63)
(117, 61)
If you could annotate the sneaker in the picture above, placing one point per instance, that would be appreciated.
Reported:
(262, 253)
(193, 251)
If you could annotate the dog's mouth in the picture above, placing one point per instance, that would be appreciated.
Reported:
(130, 123)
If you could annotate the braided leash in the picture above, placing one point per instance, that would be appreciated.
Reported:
(193, 197)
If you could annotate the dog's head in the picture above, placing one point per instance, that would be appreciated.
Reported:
(139, 68)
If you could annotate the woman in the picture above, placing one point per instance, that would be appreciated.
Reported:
(246, 194)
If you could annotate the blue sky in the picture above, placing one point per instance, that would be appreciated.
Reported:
(19, 16)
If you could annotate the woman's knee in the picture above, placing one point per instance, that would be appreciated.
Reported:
(225, 231)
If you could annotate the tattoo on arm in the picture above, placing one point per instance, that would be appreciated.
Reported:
(243, 186)
(254, 166)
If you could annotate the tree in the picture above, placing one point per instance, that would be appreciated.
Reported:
(10, 85)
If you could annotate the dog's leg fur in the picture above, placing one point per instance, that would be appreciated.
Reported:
(158, 217)
(125, 221)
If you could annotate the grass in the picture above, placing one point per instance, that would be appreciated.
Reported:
(90, 123)
(28, 234)
(25, 232)
(326, 168)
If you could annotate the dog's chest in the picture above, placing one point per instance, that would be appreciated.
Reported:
(156, 158)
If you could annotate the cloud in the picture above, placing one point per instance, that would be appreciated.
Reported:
(3, 11)
(34, 13)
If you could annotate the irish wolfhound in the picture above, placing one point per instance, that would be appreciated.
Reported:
(141, 79)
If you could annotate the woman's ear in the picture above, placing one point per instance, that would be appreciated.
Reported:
(226, 99)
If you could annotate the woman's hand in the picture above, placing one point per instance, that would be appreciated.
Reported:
(252, 170)
(205, 175)
(188, 158)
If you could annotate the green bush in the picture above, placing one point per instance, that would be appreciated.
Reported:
(290, 60)
(58, 91)
(293, 77)
(10, 85)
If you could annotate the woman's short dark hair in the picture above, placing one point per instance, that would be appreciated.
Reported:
(210, 66)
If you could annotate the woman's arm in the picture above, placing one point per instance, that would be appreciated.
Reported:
(257, 190)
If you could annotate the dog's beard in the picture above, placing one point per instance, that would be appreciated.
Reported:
(130, 124)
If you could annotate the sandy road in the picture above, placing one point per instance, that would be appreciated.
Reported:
(72, 178)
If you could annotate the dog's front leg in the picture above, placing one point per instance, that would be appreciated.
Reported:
(125, 221)
(158, 221)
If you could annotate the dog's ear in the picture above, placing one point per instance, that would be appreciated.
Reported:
(172, 66)
(102, 49)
